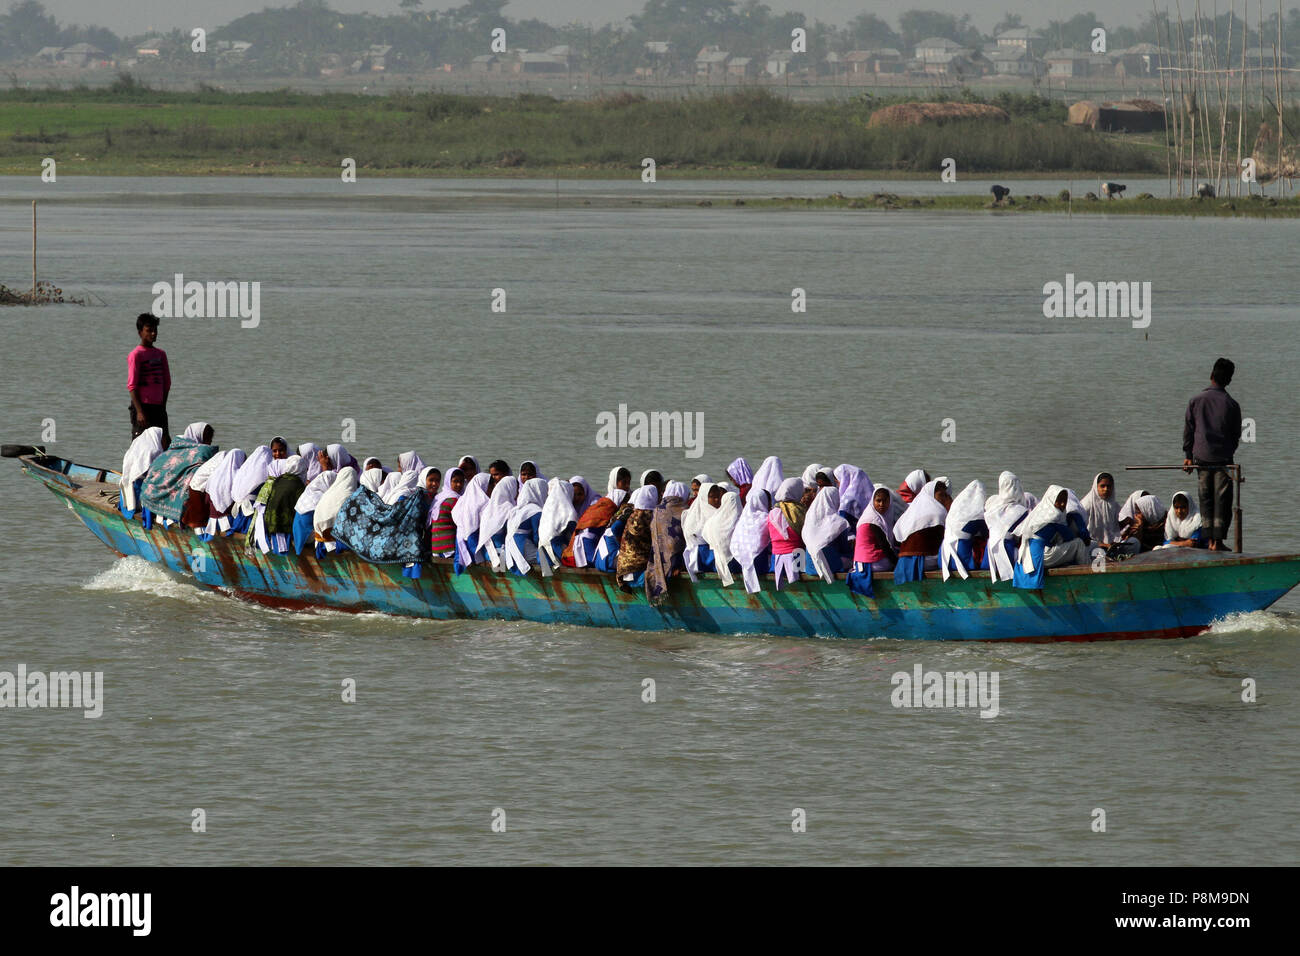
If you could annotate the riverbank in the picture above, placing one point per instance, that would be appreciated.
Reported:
(1265, 207)
(751, 134)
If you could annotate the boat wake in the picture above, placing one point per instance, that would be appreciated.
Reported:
(1256, 622)
(136, 574)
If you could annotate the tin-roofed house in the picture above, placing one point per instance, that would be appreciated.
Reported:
(83, 55)
(742, 67)
(711, 61)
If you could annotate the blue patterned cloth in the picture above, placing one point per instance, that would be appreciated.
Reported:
(382, 533)
(167, 484)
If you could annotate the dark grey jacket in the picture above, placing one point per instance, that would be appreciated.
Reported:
(1212, 429)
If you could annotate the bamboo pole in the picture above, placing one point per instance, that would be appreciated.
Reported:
(33, 250)
(1277, 83)
(1259, 28)
(1164, 98)
(1225, 99)
(1241, 103)
(1161, 49)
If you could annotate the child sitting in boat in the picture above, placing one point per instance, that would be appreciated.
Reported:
(594, 519)
(667, 543)
(524, 524)
(1183, 523)
(555, 526)
(919, 531)
(1143, 519)
(785, 529)
(634, 546)
(826, 534)
(442, 528)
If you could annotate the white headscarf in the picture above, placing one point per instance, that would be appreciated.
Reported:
(470, 458)
(1152, 508)
(340, 457)
(533, 495)
(740, 472)
(398, 484)
(327, 508)
(588, 496)
(646, 474)
(612, 491)
(885, 522)
(529, 461)
(822, 525)
(966, 507)
(645, 498)
(791, 489)
(925, 511)
(915, 480)
(203, 474)
(769, 475)
(308, 452)
(221, 482)
(693, 521)
(467, 513)
(717, 534)
(493, 518)
(1001, 512)
(1176, 529)
(810, 474)
(1126, 510)
(410, 461)
(750, 536)
(676, 489)
(135, 464)
(250, 477)
(856, 489)
(293, 465)
(444, 492)
(314, 491)
(557, 513)
(1044, 515)
(701, 478)
(696, 515)
(1102, 513)
(195, 431)
(371, 479)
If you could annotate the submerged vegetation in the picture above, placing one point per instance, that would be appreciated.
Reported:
(130, 128)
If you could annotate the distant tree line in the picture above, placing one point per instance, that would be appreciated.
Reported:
(293, 40)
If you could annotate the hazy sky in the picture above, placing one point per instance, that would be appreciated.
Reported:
(129, 17)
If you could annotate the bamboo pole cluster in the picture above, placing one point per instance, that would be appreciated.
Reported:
(1196, 86)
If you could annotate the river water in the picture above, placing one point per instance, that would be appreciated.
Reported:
(376, 307)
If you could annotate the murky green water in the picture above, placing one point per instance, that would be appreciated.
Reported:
(375, 307)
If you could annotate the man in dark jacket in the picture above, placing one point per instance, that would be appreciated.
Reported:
(1211, 433)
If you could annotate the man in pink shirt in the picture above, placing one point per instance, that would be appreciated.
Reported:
(148, 380)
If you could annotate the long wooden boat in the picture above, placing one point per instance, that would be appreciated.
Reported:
(1168, 593)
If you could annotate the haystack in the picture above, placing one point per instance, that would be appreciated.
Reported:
(1083, 113)
(918, 114)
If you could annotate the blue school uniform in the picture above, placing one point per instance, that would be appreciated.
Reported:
(612, 537)
(302, 530)
(527, 534)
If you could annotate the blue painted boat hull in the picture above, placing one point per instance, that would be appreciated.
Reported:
(1174, 593)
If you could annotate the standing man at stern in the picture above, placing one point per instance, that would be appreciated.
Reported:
(1211, 433)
